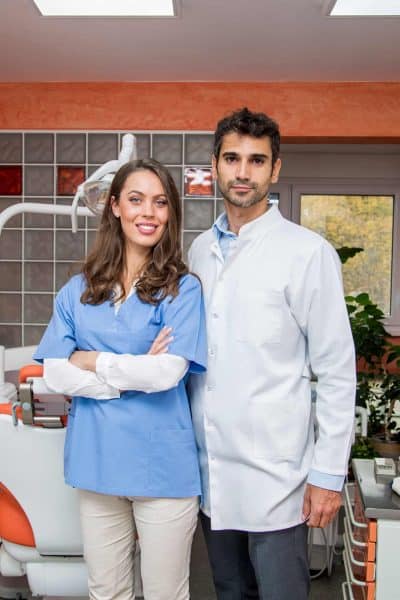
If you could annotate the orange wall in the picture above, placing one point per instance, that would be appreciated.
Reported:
(306, 111)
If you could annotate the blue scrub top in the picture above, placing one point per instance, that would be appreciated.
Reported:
(139, 444)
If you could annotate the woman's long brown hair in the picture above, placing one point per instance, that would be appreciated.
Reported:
(104, 266)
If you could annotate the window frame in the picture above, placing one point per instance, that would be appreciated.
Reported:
(376, 187)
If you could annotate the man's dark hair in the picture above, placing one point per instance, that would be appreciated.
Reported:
(245, 122)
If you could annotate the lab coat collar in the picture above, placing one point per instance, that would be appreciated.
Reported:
(248, 232)
(269, 219)
(264, 223)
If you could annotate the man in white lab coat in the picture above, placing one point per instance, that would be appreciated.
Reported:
(275, 312)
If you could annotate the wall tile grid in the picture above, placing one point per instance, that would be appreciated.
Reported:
(38, 253)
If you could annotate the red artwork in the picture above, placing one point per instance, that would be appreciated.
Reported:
(68, 179)
(198, 182)
(10, 180)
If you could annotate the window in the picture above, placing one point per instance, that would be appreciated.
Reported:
(347, 215)
(357, 221)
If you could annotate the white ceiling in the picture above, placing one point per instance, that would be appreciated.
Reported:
(212, 40)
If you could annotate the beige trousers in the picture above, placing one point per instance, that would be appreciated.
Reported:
(165, 527)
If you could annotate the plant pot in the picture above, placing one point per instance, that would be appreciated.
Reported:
(385, 449)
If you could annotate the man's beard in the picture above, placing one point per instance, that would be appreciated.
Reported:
(256, 196)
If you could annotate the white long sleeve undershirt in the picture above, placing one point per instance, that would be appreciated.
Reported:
(114, 373)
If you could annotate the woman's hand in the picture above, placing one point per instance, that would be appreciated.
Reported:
(160, 344)
(84, 359)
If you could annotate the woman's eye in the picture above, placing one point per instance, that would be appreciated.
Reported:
(134, 200)
(161, 202)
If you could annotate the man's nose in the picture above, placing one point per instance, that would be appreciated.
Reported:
(242, 171)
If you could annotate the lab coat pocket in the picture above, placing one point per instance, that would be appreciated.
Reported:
(261, 321)
(280, 427)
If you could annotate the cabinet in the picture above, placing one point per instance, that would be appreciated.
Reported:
(371, 537)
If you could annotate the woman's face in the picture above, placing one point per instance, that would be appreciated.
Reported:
(142, 209)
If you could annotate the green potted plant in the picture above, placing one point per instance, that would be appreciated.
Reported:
(378, 384)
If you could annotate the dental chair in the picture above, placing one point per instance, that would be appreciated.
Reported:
(41, 546)
(39, 517)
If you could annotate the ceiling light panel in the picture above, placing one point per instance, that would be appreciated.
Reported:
(106, 8)
(365, 8)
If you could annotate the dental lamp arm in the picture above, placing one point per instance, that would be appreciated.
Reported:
(43, 209)
(106, 173)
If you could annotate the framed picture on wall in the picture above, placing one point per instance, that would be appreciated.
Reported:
(198, 181)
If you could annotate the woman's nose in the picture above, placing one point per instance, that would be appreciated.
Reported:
(148, 208)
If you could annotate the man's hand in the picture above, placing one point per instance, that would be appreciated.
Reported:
(320, 505)
(160, 344)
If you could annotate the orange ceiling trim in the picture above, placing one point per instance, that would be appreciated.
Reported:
(306, 111)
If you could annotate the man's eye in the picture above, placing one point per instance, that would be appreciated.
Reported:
(258, 161)
(230, 159)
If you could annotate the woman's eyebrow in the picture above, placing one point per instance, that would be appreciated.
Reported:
(139, 193)
(135, 192)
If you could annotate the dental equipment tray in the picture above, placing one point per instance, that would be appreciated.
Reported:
(379, 501)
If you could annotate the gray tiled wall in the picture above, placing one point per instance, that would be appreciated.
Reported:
(38, 253)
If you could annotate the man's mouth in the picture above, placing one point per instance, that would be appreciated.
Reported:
(241, 188)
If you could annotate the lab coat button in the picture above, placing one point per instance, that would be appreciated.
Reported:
(210, 388)
(215, 315)
(211, 352)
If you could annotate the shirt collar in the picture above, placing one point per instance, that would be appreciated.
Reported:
(265, 221)
(221, 227)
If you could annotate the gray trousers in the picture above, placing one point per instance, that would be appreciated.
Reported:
(263, 566)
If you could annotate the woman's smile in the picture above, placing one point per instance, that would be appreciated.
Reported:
(142, 209)
(147, 228)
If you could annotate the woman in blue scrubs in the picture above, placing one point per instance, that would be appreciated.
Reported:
(123, 335)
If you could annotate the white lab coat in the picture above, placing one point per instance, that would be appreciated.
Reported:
(275, 309)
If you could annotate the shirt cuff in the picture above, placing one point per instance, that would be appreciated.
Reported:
(326, 481)
(103, 361)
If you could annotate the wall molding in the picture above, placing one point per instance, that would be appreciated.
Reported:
(307, 112)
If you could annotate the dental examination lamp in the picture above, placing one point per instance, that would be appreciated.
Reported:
(92, 192)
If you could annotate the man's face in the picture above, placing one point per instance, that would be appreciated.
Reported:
(244, 169)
